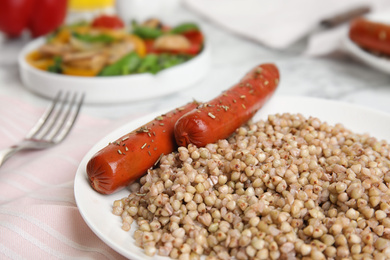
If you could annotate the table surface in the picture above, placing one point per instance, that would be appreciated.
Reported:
(336, 76)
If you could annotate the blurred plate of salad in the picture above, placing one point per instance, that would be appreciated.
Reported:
(106, 47)
(113, 63)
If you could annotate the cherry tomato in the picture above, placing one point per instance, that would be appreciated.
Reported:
(149, 43)
(14, 16)
(195, 37)
(47, 15)
(108, 21)
(194, 49)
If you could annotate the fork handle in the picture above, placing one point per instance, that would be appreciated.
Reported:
(5, 154)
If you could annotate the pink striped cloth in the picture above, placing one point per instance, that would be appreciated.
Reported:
(39, 218)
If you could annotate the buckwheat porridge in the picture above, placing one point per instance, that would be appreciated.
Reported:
(284, 188)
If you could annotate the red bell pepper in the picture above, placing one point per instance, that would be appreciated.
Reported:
(38, 16)
(14, 16)
(47, 15)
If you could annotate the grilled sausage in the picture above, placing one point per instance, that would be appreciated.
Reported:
(128, 158)
(370, 35)
(220, 117)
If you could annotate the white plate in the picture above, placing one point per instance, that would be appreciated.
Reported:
(96, 208)
(379, 63)
(115, 89)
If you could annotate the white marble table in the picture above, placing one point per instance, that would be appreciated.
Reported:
(336, 77)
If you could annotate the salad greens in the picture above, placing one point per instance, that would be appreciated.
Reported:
(152, 63)
(185, 27)
(93, 38)
(126, 65)
(56, 67)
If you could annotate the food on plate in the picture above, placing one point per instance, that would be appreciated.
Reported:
(129, 157)
(220, 117)
(370, 35)
(38, 16)
(106, 47)
(108, 22)
(289, 187)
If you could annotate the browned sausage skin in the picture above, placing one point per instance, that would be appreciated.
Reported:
(220, 117)
(371, 35)
(128, 158)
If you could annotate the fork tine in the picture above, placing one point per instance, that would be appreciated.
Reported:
(44, 118)
(65, 112)
(70, 118)
(53, 119)
(57, 122)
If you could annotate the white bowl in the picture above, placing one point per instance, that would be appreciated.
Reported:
(114, 89)
(374, 61)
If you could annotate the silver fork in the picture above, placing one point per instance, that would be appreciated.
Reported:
(53, 126)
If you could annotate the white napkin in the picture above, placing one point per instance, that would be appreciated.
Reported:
(279, 23)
